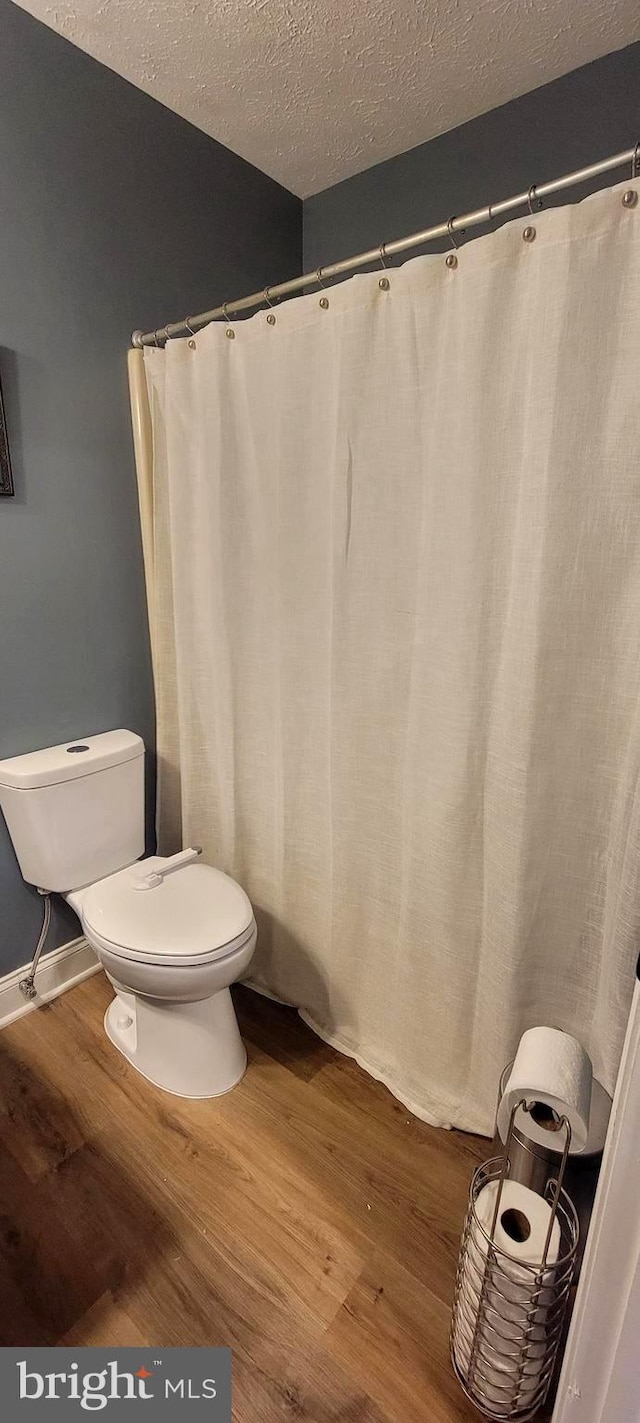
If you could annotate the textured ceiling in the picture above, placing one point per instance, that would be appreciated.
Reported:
(311, 91)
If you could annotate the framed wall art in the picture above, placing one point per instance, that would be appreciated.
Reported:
(6, 477)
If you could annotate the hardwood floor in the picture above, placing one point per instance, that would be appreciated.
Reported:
(306, 1219)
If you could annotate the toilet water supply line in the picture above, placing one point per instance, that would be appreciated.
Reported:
(27, 985)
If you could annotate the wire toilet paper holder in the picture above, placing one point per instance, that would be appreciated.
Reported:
(512, 1329)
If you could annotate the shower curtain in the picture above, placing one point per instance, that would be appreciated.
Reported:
(396, 626)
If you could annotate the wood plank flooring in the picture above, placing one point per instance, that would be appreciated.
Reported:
(306, 1219)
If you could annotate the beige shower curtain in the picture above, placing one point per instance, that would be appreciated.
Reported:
(395, 598)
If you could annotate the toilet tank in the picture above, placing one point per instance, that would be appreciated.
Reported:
(75, 812)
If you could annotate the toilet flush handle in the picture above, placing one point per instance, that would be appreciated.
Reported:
(175, 862)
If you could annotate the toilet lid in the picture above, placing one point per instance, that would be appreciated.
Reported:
(195, 912)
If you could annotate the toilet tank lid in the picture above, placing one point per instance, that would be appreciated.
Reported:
(71, 759)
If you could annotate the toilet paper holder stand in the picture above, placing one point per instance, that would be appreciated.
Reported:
(512, 1332)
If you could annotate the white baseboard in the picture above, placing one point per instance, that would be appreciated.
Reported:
(57, 971)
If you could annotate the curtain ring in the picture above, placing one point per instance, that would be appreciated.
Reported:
(319, 278)
(192, 343)
(635, 161)
(450, 231)
(229, 331)
(382, 254)
(531, 199)
(270, 316)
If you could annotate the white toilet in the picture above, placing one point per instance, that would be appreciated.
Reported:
(172, 933)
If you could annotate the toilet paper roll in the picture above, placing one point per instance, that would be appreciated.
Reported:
(521, 1227)
(499, 1304)
(497, 1381)
(553, 1070)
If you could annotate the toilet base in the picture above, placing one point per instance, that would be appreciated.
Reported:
(189, 1049)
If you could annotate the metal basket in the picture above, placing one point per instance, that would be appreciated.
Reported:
(508, 1315)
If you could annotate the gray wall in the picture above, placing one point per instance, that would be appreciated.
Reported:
(589, 114)
(114, 214)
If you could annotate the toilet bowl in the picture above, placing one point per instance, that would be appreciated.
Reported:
(172, 933)
(171, 952)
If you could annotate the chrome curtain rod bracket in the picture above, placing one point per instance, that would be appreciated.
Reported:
(533, 196)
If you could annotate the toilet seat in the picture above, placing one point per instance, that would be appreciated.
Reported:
(191, 917)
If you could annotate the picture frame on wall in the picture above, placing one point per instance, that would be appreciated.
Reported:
(6, 477)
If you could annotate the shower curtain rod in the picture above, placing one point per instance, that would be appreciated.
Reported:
(536, 193)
